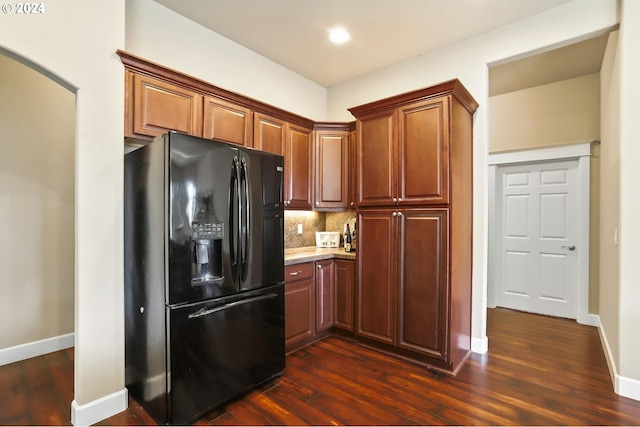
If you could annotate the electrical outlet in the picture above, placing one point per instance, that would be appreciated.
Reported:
(299, 228)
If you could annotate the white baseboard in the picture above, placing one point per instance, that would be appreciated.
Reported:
(625, 387)
(590, 320)
(36, 348)
(100, 409)
(480, 345)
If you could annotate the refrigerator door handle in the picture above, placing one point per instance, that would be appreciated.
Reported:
(207, 311)
(234, 212)
(245, 223)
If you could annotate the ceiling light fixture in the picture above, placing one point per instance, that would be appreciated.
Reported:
(339, 35)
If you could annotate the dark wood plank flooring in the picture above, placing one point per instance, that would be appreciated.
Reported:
(538, 371)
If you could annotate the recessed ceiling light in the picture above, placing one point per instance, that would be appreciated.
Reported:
(339, 35)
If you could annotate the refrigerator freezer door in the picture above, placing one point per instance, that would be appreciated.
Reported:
(220, 349)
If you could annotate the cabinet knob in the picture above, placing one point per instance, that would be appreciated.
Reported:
(399, 213)
(395, 214)
(317, 203)
(319, 267)
(395, 200)
(399, 199)
(352, 203)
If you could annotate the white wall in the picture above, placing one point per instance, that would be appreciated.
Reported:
(156, 33)
(629, 249)
(468, 61)
(37, 159)
(74, 42)
(610, 200)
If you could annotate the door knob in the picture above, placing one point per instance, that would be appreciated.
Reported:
(570, 247)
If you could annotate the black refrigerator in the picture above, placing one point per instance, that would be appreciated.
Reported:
(204, 274)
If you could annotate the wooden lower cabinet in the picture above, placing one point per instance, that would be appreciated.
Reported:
(318, 297)
(325, 290)
(403, 283)
(344, 273)
(299, 305)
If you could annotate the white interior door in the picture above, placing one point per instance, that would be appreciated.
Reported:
(537, 223)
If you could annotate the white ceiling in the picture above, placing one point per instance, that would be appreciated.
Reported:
(294, 33)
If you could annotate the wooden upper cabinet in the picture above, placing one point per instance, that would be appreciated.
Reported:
(156, 106)
(376, 148)
(331, 166)
(227, 122)
(404, 145)
(269, 133)
(353, 175)
(298, 169)
(423, 152)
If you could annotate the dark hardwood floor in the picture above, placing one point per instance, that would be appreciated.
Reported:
(538, 371)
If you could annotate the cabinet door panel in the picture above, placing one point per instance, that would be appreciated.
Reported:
(298, 167)
(227, 122)
(268, 133)
(300, 304)
(160, 107)
(424, 152)
(331, 170)
(375, 163)
(344, 292)
(423, 282)
(325, 290)
(377, 276)
(353, 179)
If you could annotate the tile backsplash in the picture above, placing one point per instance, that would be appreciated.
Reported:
(311, 222)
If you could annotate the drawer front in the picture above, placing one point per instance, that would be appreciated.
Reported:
(297, 272)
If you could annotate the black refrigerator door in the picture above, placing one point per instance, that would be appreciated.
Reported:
(262, 219)
(220, 349)
(204, 215)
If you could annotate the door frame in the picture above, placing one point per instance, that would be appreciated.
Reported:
(580, 151)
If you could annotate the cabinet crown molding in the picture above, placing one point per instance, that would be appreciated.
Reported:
(144, 66)
(451, 87)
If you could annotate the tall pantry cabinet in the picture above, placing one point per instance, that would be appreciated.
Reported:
(414, 207)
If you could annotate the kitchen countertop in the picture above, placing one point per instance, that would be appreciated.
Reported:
(311, 253)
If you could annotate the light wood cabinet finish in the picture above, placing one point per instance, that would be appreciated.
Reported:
(159, 99)
(228, 122)
(159, 106)
(269, 133)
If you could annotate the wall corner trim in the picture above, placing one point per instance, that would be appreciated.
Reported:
(35, 348)
(99, 409)
(480, 345)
